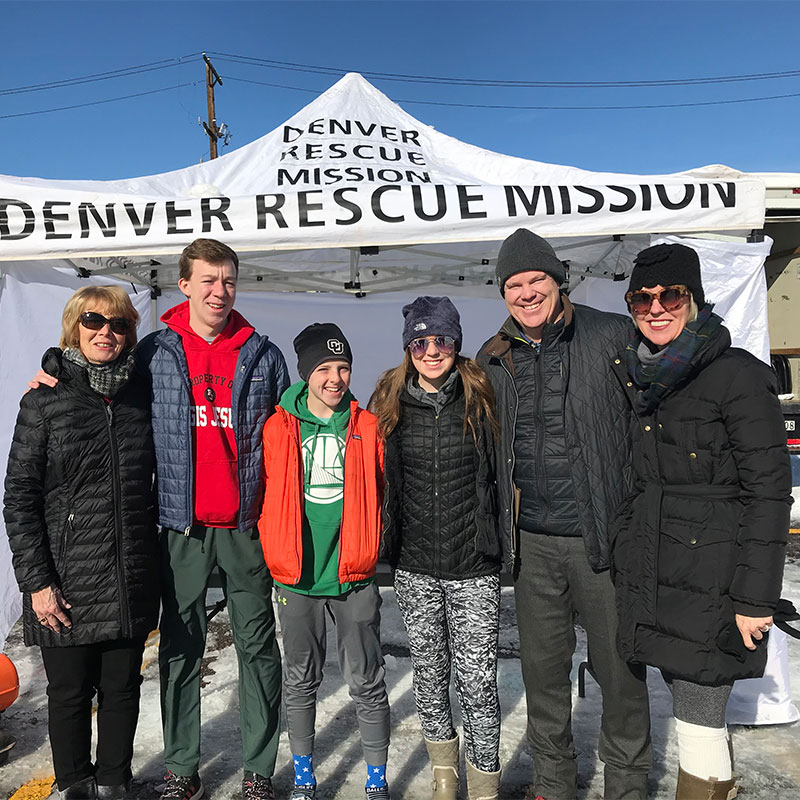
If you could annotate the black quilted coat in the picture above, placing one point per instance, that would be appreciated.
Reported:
(440, 507)
(596, 422)
(79, 506)
(704, 536)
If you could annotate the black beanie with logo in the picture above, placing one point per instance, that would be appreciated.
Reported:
(320, 342)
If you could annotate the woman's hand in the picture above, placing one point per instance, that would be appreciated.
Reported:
(51, 609)
(752, 629)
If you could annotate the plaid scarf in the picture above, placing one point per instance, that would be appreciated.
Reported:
(655, 381)
(105, 379)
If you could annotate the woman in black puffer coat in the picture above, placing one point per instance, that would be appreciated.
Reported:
(80, 516)
(441, 538)
(698, 553)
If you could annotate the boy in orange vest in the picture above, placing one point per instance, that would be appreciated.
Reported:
(320, 531)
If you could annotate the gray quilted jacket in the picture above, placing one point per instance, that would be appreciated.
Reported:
(260, 379)
(596, 423)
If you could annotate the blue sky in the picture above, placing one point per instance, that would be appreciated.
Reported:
(589, 41)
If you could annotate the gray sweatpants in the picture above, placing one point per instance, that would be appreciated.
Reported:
(357, 619)
(454, 622)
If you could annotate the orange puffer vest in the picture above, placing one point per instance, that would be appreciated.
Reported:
(281, 523)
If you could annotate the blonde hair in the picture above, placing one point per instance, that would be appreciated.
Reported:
(478, 395)
(113, 299)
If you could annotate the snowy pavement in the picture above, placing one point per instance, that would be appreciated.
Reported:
(768, 758)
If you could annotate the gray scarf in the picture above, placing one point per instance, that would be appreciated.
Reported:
(105, 379)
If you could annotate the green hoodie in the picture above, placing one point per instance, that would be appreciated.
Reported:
(322, 443)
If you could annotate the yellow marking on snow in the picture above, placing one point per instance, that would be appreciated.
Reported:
(37, 789)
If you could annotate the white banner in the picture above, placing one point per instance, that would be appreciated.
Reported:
(353, 169)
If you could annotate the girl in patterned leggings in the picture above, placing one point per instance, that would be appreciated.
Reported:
(440, 536)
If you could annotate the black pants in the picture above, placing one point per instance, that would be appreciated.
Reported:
(556, 583)
(112, 670)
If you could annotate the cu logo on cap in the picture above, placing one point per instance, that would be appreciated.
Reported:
(335, 346)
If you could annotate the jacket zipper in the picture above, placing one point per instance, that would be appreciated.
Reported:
(436, 488)
(541, 478)
(513, 459)
(62, 547)
(115, 477)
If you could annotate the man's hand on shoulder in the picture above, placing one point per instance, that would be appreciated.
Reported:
(42, 378)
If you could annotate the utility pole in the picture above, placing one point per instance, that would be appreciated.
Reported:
(211, 128)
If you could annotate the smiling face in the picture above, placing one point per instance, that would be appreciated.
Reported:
(327, 385)
(103, 346)
(533, 300)
(211, 289)
(659, 325)
(432, 364)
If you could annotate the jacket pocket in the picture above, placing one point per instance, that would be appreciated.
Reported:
(64, 538)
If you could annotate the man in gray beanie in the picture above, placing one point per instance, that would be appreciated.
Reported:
(564, 449)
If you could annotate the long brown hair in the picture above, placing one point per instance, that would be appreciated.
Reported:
(478, 395)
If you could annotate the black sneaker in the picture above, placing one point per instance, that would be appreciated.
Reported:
(377, 793)
(257, 787)
(182, 787)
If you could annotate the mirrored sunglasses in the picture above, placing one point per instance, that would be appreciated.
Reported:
(446, 345)
(671, 298)
(94, 322)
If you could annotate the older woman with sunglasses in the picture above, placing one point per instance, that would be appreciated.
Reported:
(440, 537)
(698, 551)
(80, 517)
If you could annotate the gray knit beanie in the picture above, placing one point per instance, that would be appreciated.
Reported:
(523, 251)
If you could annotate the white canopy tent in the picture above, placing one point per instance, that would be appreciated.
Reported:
(353, 197)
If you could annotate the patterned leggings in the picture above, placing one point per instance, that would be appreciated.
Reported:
(454, 622)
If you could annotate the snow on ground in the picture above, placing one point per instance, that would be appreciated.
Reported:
(768, 758)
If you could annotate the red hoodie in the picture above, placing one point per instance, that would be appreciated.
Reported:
(211, 370)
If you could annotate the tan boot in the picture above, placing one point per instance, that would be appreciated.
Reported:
(444, 763)
(482, 785)
(690, 787)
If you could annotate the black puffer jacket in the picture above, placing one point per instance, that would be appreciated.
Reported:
(596, 422)
(79, 506)
(440, 510)
(704, 536)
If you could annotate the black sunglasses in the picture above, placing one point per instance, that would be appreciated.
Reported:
(95, 322)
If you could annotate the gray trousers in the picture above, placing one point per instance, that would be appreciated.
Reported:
(555, 583)
(358, 620)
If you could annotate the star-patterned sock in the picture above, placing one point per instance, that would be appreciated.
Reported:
(376, 776)
(303, 770)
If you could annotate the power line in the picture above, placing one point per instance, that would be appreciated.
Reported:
(539, 108)
(99, 76)
(98, 102)
(453, 81)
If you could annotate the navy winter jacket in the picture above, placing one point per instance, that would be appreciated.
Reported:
(260, 379)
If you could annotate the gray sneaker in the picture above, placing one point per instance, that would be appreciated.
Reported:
(308, 792)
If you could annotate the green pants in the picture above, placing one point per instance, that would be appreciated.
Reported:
(187, 563)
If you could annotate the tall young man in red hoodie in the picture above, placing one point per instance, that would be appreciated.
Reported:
(215, 381)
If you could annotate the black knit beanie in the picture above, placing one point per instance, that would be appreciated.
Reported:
(431, 316)
(668, 265)
(319, 342)
(523, 251)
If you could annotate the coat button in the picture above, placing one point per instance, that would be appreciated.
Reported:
(647, 427)
(629, 384)
(692, 541)
(660, 426)
(692, 455)
(617, 361)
